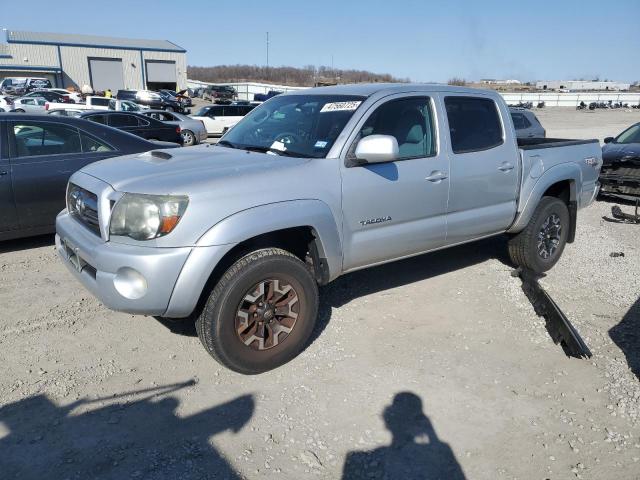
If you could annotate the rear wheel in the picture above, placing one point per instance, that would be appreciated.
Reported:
(261, 313)
(188, 138)
(19, 110)
(539, 246)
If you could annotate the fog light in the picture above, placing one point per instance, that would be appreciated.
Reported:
(130, 283)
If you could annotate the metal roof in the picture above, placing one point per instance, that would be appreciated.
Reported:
(94, 41)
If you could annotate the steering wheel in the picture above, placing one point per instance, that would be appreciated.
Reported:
(287, 138)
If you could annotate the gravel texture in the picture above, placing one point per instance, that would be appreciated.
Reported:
(433, 367)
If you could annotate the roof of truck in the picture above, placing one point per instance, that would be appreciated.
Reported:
(368, 89)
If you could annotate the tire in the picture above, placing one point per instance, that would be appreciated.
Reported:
(169, 109)
(188, 138)
(228, 311)
(540, 245)
(19, 110)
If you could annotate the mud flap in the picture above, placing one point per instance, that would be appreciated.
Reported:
(557, 323)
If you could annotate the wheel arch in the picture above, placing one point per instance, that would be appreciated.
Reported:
(308, 230)
(560, 182)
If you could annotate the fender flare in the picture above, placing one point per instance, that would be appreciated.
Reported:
(559, 173)
(268, 218)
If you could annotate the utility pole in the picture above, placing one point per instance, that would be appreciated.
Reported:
(267, 50)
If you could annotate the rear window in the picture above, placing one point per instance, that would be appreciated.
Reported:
(121, 120)
(474, 124)
(520, 122)
(100, 102)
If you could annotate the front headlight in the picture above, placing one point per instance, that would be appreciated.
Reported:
(145, 217)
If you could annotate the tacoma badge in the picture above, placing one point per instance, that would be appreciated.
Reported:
(370, 221)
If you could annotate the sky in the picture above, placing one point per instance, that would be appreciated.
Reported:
(420, 40)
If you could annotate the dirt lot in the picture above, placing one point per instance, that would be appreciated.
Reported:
(433, 367)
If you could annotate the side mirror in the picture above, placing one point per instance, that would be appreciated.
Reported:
(377, 149)
(609, 140)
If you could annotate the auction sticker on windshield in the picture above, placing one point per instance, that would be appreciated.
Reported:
(340, 106)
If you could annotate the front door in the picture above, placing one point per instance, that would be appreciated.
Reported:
(485, 168)
(43, 157)
(398, 208)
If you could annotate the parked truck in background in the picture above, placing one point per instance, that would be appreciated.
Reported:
(309, 186)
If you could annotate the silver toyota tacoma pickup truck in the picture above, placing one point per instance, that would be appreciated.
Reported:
(309, 186)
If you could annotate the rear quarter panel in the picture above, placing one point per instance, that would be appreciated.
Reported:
(543, 167)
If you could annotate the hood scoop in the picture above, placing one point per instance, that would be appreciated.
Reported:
(156, 156)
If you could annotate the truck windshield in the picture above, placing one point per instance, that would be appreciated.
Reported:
(294, 125)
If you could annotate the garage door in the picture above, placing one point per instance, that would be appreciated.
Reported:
(161, 72)
(106, 73)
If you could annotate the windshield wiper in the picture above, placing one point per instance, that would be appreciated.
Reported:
(226, 143)
(284, 153)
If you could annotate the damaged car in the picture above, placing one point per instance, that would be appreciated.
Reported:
(620, 174)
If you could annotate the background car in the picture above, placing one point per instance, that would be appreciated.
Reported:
(68, 112)
(219, 93)
(193, 131)
(23, 85)
(182, 96)
(526, 123)
(125, 106)
(620, 172)
(150, 99)
(75, 96)
(43, 153)
(50, 96)
(6, 103)
(218, 119)
(131, 122)
(29, 104)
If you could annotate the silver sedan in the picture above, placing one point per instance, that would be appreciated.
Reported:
(192, 131)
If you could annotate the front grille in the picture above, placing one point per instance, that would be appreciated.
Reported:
(83, 206)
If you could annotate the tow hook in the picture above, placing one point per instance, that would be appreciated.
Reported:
(558, 325)
(618, 214)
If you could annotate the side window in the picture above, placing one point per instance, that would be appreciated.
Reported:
(100, 102)
(121, 120)
(41, 138)
(97, 118)
(91, 144)
(232, 112)
(142, 122)
(29, 101)
(409, 120)
(526, 121)
(215, 112)
(474, 124)
(518, 121)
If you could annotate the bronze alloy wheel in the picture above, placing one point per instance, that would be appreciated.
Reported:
(267, 314)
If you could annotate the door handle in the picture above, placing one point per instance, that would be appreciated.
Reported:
(505, 167)
(3, 173)
(436, 176)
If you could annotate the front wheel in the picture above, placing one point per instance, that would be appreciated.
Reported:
(539, 246)
(261, 313)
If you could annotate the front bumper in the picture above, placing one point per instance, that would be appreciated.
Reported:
(104, 268)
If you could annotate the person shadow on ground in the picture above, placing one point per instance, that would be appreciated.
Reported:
(415, 453)
(627, 336)
(139, 438)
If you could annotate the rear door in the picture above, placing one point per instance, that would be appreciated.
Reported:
(485, 167)
(214, 120)
(43, 156)
(8, 218)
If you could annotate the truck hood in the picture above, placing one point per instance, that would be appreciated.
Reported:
(179, 170)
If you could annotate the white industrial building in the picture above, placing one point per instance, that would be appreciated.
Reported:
(71, 60)
(582, 85)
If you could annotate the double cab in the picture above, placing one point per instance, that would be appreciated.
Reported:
(309, 186)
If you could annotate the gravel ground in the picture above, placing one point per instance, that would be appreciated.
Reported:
(433, 367)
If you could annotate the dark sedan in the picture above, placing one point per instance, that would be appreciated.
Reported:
(38, 154)
(620, 174)
(140, 125)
